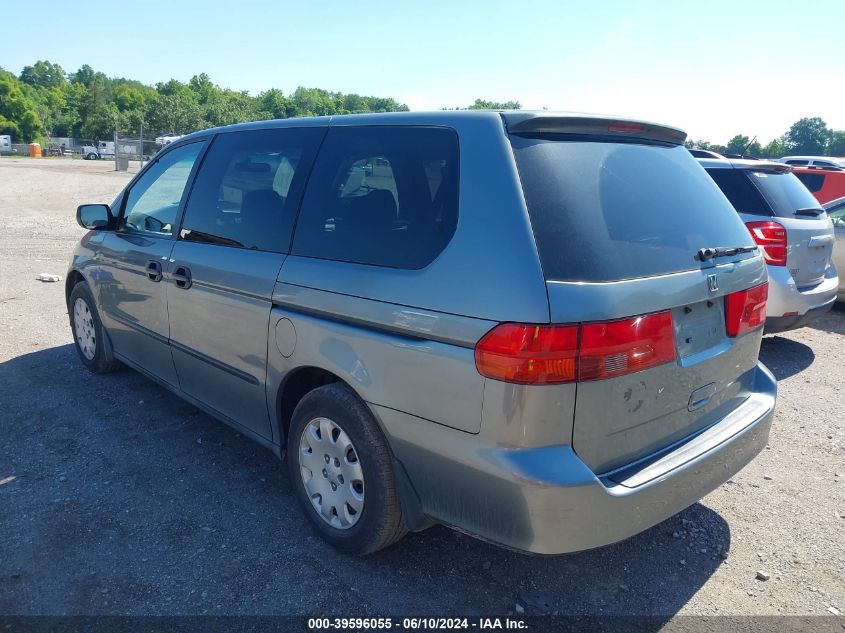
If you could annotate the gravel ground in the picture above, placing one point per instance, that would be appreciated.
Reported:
(116, 497)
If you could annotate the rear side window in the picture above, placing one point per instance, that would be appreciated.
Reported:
(611, 211)
(385, 196)
(743, 195)
(248, 188)
(797, 162)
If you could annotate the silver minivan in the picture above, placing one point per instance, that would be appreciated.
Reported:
(541, 329)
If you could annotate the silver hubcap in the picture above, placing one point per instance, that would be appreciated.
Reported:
(83, 322)
(331, 473)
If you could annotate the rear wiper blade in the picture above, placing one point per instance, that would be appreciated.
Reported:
(809, 211)
(705, 254)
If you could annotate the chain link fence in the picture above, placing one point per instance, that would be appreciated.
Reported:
(129, 152)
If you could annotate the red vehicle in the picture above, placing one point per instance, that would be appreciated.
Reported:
(826, 184)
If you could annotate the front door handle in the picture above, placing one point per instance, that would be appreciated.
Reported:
(182, 276)
(154, 270)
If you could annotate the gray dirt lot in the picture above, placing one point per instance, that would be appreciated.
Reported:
(118, 498)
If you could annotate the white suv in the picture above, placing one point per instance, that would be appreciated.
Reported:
(812, 161)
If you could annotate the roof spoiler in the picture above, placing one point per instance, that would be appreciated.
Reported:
(767, 167)
(530, 123)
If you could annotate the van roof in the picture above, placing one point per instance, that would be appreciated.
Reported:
(516, 121)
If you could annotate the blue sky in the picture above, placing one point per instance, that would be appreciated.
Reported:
(712, 67)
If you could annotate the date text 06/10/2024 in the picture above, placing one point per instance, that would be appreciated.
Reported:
(414, 624)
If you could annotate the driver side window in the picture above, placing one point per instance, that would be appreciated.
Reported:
(153, 201)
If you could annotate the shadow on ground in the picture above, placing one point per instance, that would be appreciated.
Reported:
(785, 357)
(126, 500)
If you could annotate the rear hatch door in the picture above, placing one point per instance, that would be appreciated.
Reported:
(619, 222)
(809, 232)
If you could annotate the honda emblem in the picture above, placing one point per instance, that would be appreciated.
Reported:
(712, 283)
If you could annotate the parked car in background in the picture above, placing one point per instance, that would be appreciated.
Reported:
(836, 210)
(824, 183)
(814, 161)
(553, 360)
(793, 231)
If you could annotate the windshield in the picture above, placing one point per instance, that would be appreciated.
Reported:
(784, 192)
(610, 211)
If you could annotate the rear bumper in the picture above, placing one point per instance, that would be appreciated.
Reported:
(801, 306)
(547, 501)
(783, 324)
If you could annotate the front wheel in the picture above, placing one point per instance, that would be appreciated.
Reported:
(92, 156)
(342, 471)
(89, 336)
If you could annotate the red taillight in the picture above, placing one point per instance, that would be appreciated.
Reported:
(746, 310)
(771, 238)
(548, 354)
(623, 347)
(625, 127)
(528, 354)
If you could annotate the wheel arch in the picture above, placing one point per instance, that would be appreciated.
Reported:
(73, 278)
(296, 384)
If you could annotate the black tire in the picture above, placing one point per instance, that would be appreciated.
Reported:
(103, 360)
(91, 156)
(380, 523)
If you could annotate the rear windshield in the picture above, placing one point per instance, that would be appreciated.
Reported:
(784, 193)
(611, 211)
(744, 196)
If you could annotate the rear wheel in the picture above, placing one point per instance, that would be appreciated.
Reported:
(89, 337)
(342, 471)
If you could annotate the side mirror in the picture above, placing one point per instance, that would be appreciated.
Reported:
(94, 217)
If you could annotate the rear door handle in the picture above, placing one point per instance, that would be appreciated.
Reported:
(154, 270)
(182, 276)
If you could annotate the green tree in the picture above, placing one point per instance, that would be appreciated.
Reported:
(18, 113)
(737, 144)
(775, 149)
(481, 104)
(836, 144)
(275, 105)
(808, 136)
(43, 74)
(89, 105)
(171, 113)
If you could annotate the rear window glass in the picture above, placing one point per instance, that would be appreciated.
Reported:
(744, 196)
(612, 211)
(784, 193)
(384, 196)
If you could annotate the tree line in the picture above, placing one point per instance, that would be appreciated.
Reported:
(809, 136)
(45, 101)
